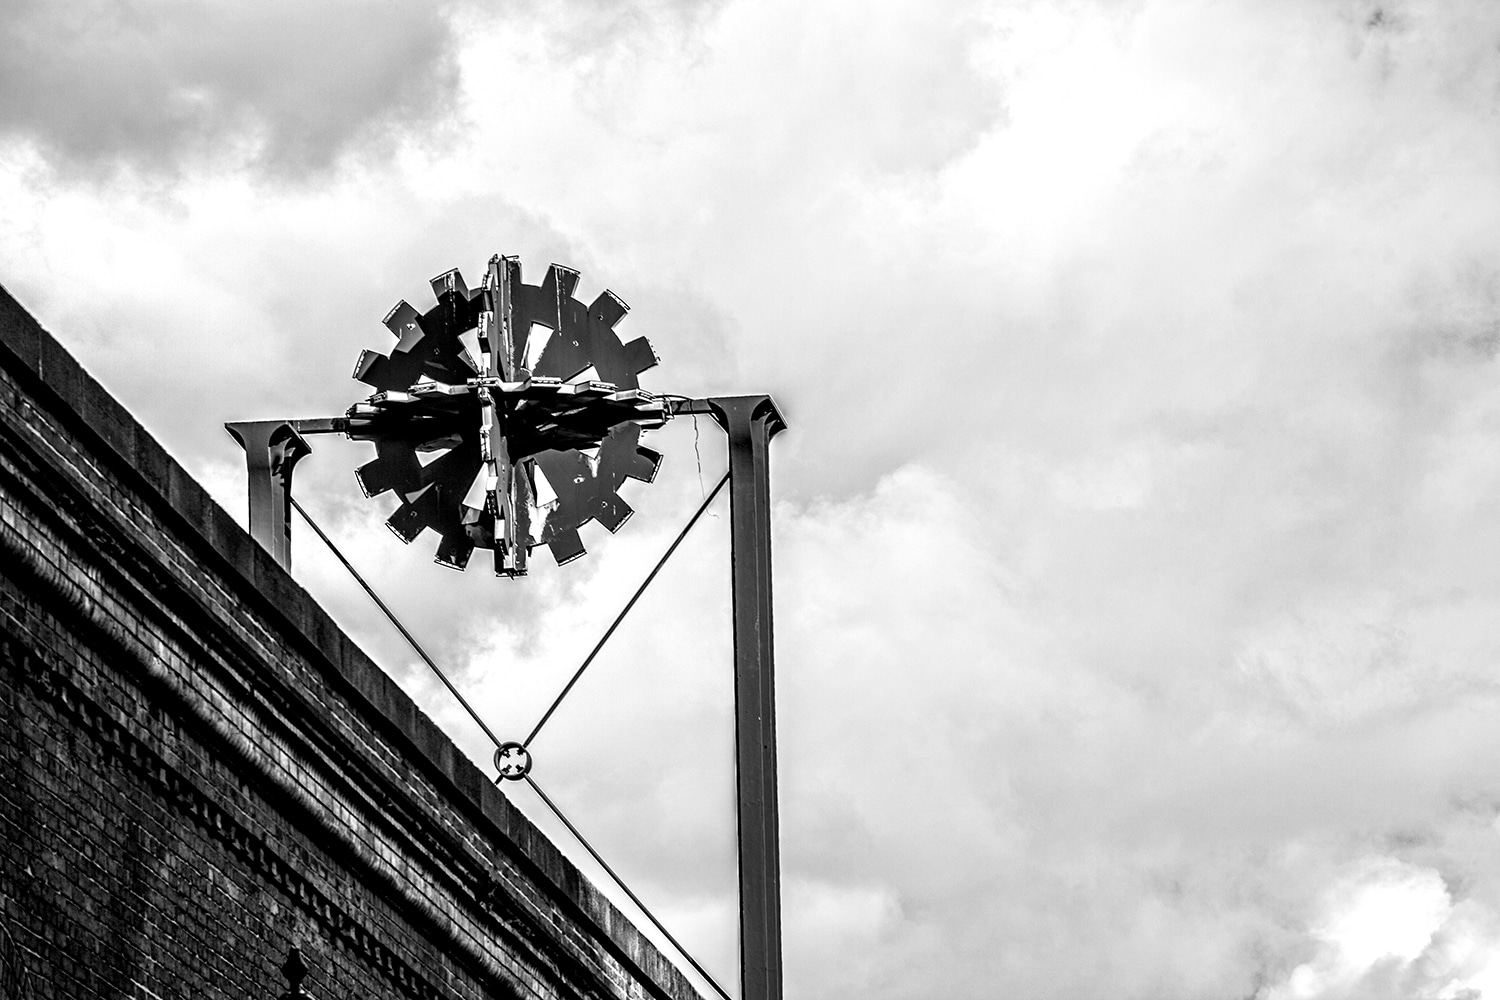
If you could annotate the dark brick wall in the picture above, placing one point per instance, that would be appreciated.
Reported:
(198, 771)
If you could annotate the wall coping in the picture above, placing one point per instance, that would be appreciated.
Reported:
(75, 397)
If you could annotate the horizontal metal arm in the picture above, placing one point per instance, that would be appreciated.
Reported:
(321, 425)
(676, 406)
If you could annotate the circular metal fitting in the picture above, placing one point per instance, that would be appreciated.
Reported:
(512, 760)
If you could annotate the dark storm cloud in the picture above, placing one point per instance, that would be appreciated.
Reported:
(97, 85)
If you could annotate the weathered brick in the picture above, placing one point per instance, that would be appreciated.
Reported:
(199, 771)
(19, 333)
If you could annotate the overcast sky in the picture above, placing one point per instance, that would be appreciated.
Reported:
(1138, 524)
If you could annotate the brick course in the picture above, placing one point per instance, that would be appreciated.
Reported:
(199, 771)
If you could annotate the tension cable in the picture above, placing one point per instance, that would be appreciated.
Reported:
(626, 610)
(621, 883)
(512, 750)
(395, 621)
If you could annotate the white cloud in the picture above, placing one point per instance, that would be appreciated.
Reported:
(1136, 549)
(1392, 929)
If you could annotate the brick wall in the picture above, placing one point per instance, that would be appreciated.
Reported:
(199, 771)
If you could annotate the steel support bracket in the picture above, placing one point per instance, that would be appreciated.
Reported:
(272, 449)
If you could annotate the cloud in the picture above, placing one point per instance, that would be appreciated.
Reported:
(1393, 929)
(1135, 539)
(288, 87)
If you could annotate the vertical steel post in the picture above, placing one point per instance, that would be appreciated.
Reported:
(272, 449)
(750, 422)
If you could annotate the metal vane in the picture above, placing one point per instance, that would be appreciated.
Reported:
(529, 401)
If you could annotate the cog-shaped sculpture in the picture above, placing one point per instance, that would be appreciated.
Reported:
(458, 383)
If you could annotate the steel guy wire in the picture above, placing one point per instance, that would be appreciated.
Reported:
(395, 621)
(495, 740)
(685, 402)
(626, 610)
(621, 883)
(697, 454)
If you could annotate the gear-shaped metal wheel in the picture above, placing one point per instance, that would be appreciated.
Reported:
(458, 382)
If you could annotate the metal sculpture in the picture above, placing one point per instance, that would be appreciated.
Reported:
(533, 410)
(543, 381)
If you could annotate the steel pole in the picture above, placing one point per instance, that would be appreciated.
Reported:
(750, 422)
